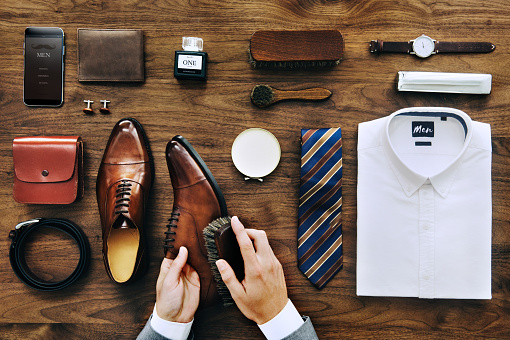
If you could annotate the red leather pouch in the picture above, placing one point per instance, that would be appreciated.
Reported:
(48, 170)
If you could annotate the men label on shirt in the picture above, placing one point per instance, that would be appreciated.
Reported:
(423, 129)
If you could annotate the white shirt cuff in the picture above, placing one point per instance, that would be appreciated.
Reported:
(283, 324)
(169, 329)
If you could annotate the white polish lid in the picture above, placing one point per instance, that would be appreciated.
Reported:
(256, 153)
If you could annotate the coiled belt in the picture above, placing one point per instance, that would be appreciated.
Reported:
(20, 235)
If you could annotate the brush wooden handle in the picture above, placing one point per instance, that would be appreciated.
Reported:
(228, 249)
(316, 93)
(313, 45)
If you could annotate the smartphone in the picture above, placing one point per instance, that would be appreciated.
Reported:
(43, 80)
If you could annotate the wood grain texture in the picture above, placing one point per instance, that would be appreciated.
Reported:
(297, 45)
(316, 93)
(211, 114)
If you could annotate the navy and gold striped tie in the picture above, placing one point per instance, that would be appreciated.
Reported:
(320, 205)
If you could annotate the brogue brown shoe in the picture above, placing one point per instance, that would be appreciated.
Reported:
(123, 184)
(197, 202)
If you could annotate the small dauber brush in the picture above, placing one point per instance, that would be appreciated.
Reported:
(313, 48)
(265, 95)
(221, 243)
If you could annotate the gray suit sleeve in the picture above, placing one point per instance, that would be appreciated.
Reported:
(305, 332)
(148, 333)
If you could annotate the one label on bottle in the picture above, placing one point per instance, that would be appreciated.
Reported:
(190, 62)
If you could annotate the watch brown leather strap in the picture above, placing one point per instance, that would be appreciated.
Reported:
(380, 46)
(464, 47)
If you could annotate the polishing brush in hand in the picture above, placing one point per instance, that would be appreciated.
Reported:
(221, 243)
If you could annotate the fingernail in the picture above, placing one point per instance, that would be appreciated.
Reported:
(236, 220)
(180, 250)
(220, 265)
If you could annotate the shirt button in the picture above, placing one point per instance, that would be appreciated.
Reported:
(426, 227)
(426, 277)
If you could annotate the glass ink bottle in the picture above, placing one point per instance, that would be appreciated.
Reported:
(192, 62)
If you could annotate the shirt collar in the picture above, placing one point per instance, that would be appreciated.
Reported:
(410, 180)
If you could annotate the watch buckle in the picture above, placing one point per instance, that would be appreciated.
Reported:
(411, 50)
(376, 46)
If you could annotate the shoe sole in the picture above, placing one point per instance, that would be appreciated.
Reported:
(208, 175)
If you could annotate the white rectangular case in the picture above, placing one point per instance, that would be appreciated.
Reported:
(445, 82)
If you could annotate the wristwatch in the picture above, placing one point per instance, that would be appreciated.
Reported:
(424, 46)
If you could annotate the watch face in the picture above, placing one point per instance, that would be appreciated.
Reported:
(423, 46)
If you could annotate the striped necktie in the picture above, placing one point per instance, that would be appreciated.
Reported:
(320, 205)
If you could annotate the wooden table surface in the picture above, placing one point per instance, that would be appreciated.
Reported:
(210, 115)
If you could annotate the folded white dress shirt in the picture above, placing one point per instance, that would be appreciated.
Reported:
(424, 205)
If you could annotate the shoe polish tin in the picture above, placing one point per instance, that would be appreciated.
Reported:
(256, 153)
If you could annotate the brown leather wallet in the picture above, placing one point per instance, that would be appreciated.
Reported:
(48, 170)
(110, 55)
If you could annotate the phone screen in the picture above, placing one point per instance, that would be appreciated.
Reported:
(44, 66)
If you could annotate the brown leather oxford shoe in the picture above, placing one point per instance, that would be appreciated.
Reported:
(123, 184)
(197, 202)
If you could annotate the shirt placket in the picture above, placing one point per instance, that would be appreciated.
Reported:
(427, 251)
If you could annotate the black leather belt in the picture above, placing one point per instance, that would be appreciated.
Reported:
(19, 237)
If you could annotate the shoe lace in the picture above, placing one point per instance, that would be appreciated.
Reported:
(122, 202)
(174, 217)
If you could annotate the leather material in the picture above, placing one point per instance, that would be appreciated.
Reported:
(464, 47)
(196, 204)
(48, 170)
(380, 46)
(123, 186)
(23, 231)
(110, 55)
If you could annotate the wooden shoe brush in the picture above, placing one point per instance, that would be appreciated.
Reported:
(314, 48)
(221, 243)
(265, 95)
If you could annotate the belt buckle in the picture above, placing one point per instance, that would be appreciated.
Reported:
(19, 226)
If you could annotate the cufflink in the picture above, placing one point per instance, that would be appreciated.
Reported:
(104, 109)
(88, 109)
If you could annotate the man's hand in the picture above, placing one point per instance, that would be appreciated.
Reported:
(263, 292)
(177, 289)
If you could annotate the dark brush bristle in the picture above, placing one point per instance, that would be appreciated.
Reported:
(212, 256)
(262, 95)
(291, 64)
(294, 64)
